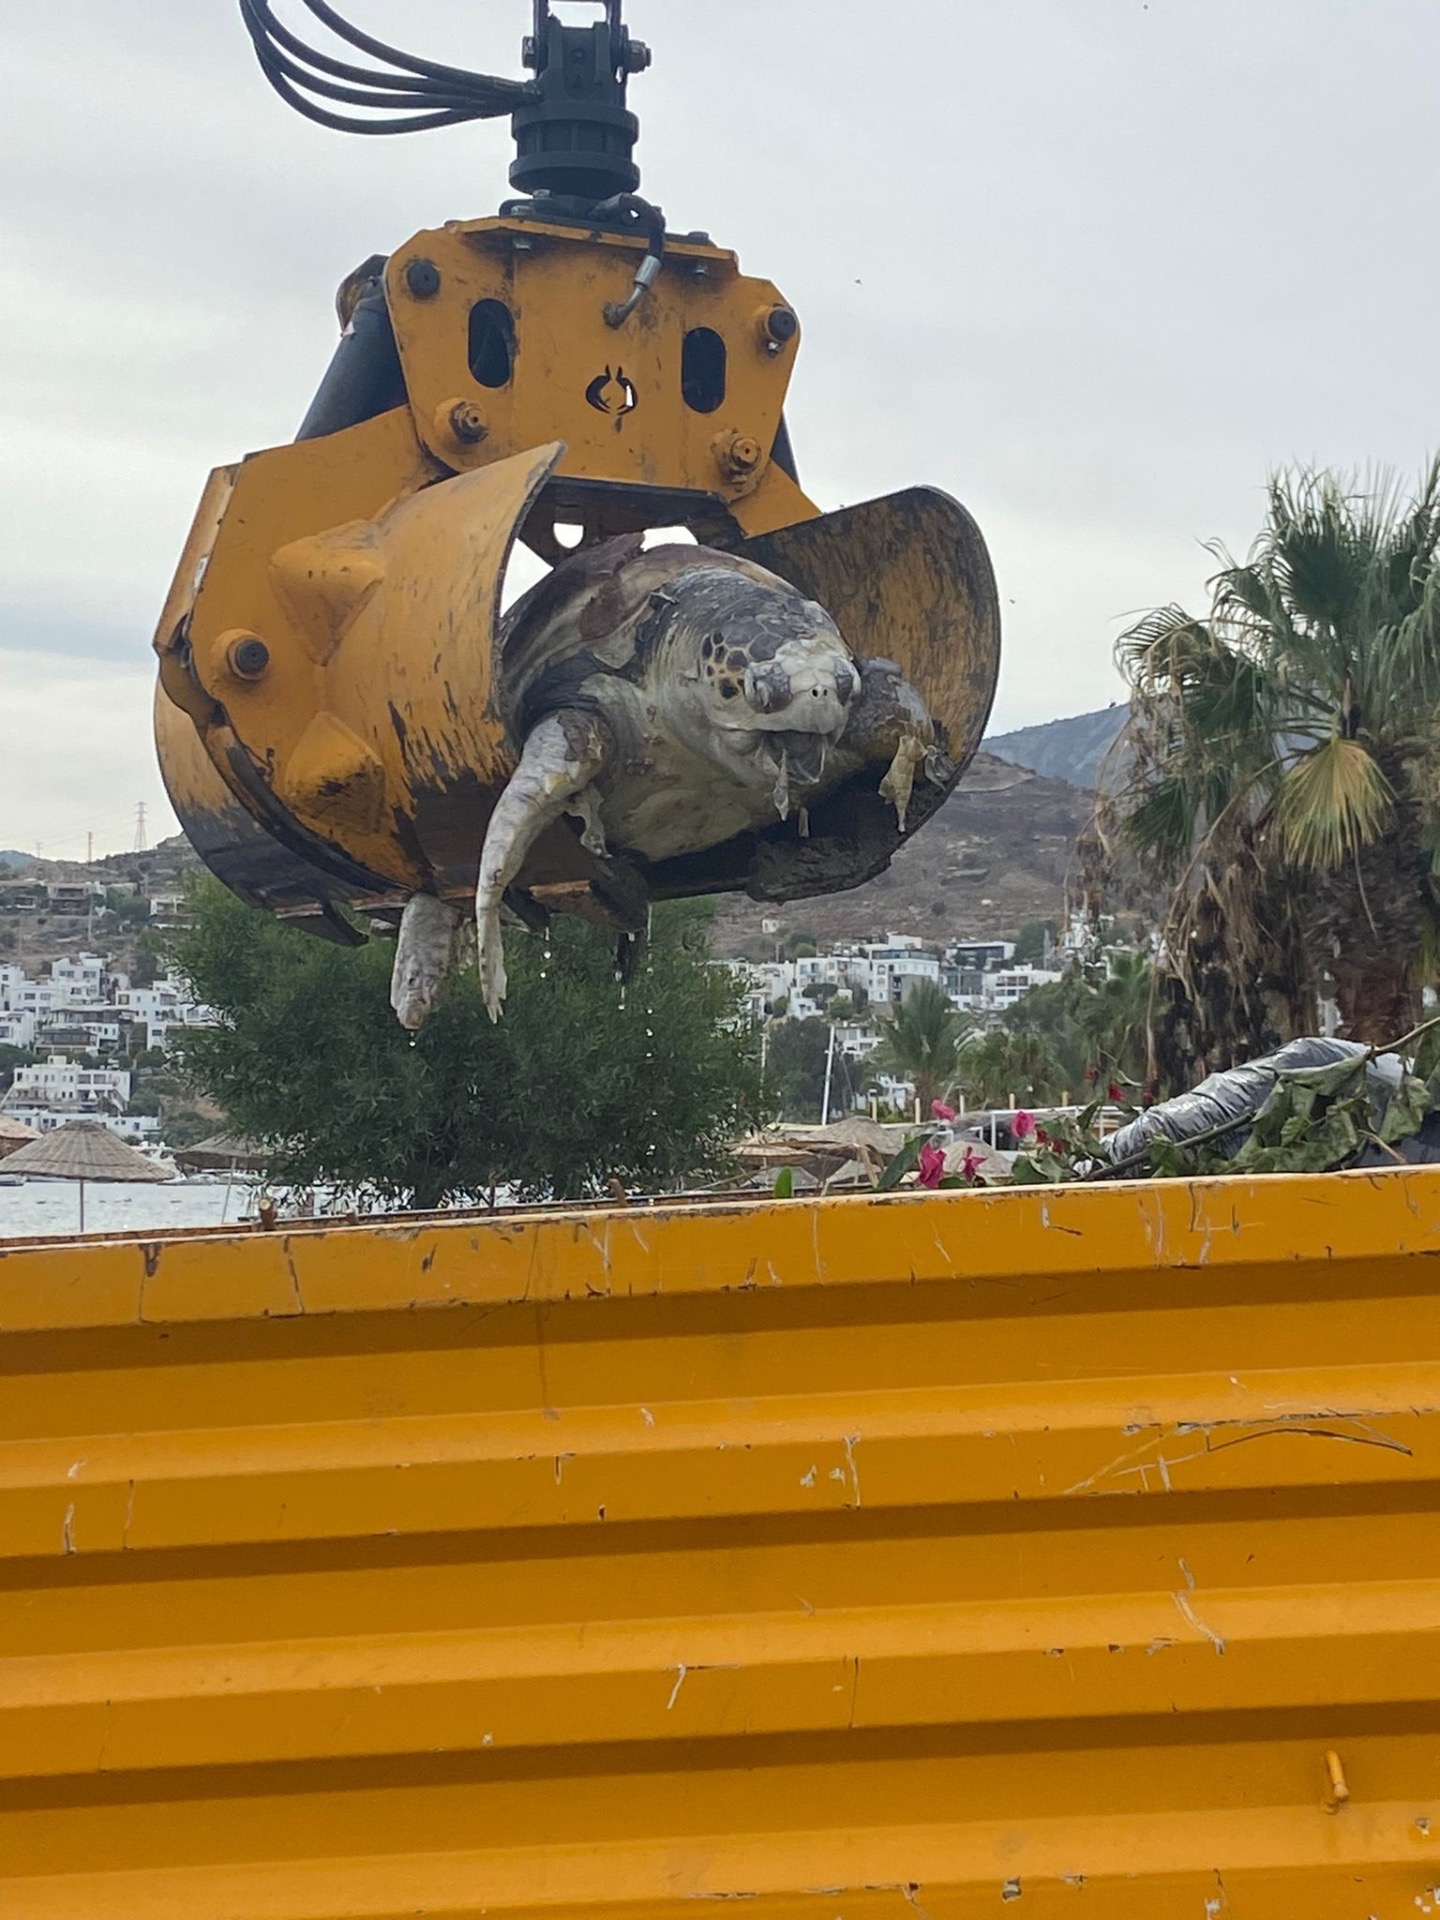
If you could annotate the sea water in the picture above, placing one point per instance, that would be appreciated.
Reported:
(52, 1207)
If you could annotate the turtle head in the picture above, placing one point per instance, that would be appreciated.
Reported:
(768, 683)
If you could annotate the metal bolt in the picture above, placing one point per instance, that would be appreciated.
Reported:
(467, 423)
(422, 277)
(781, 324)
(248, 657)
(637, 57)
(738, 455)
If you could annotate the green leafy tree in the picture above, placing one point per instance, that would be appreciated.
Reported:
(1030, 942)
(145, 968)
(1093, 1033)
(795, 1067)
(921, 1043)
(577, 1085)
(10, 1059)
(1284, 770)
(1058, 1019)
(131, 910)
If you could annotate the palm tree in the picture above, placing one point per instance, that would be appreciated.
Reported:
(1010, 1064)
(1116, 1019)
(922, 1041)
(1284, 770)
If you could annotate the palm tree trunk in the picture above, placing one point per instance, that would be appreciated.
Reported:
(1370, 915)
(1377, 998)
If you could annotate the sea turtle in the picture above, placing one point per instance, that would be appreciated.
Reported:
(668, 699)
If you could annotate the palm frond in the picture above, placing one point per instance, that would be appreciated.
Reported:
(1160, 825)
(1331, 802)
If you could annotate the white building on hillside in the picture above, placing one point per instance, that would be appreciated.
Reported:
(17, 1030)
(82, 980)
(68, 1083)
(896, 964)
(1003, 989)
(164, 1007)
(45, 1096)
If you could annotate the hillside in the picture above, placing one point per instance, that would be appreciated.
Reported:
(998, 853)
(33, 939)
(1071, 750)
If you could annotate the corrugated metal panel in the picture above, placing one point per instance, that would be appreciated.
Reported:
(846, 1558)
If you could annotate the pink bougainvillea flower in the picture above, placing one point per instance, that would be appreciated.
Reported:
(1023, 1125)
(939, 1111)
(932, 1164)
(970, 1167)
(1042, 1139)
(1115, 1091)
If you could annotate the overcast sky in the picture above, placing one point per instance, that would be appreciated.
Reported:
(1094, 266)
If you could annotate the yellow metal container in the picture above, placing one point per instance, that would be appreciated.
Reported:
(1035, 1553)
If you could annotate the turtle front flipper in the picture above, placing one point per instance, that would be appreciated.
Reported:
(891, 722)
(562, 755)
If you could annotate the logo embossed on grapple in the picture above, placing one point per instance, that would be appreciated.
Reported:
(611, 392)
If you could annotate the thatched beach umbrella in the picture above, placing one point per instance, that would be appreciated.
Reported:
(223, 1153)
(14, 1134)
(82, 1150)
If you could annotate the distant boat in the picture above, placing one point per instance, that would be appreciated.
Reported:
(12, 1179)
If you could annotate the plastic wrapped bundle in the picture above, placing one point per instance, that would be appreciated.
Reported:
(1239, 1094)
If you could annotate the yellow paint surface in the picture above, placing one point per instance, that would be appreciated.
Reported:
(845, 1558)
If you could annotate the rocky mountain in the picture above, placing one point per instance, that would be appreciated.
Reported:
(1072, 750)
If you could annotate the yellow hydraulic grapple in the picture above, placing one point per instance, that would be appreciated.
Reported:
(330, 714)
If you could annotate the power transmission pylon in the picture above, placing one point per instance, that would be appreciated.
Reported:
(141, 842)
